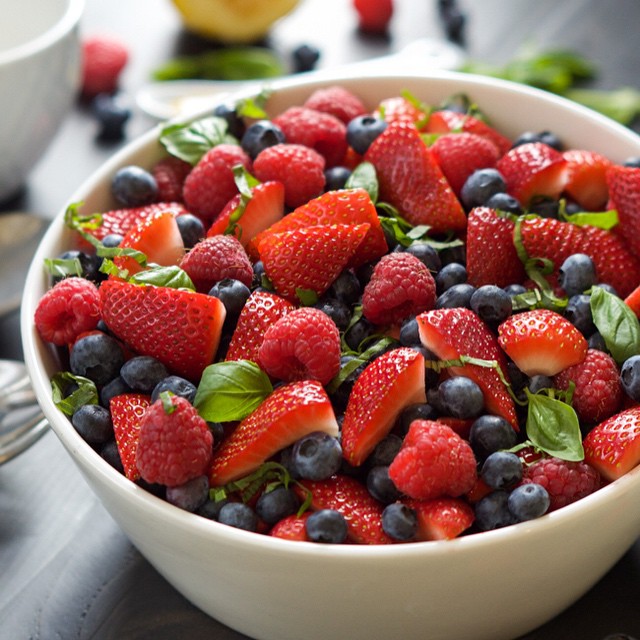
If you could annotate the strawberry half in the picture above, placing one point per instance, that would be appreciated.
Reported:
(351, 498)
(264, 209)
(180, 328)
(127, 411)
(310, 258)
(633, 301)
(441, 518)
(289, 413)
(385, 387)
(613, 446)
(411, 180)
(624, 196)
(452, 333)
(291, 528)
(541, 341)
(399, 109)
(586, 178)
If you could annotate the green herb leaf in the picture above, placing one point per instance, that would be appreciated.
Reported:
(245, 183)
(254, 107)
(63, 268)
(603, 220)
(621, 105)
(364, 177)
(171, 276)
(617, 323)
(307, 297)
(167, 404)
(230, 391)
(191, 141)
(86, 393)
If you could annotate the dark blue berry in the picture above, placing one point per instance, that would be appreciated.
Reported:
(233, 294)
(191, 495)
(399, 521)
(210, 509)
(539, 382)
(111, 454)
(450, 275)
(578, 312)
(279, 503)
(358, 332)
(112, 240)
(630, 377)
(258, 274)
(633, 161)
(327, 526)
(461, 397)
(459, 295)
(380, 485)
(528, 501)
(176, 385)
(305, 58)
(133, 186)
(456, 252)
(426, 254)
(596, 341)
(480, 186)
(336, 178)
(515, 289)
(93, 423)
(492, 511)
(191, 229)
(114, 388)
(89, 265)
(143, 373)
(577, 274)
(238, 515)
(421, 411)
(490, 433)
(235, 123)
(504, 202)
(546, 137)
(259, 136)
(363, 130)
(545, 207)
(409, 333)
(317, 456)
(501, 470)
(492, 304)
(98, 357)
(217, 430)
(385, 451)
(346, 287)
(338, 311)
(112, 116)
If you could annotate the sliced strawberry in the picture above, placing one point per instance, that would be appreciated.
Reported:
(260, 311)
(177, 326)
(343, 206)
(351, 498)
(386, 386)
(265, 208)
(613, 446)
(533, 169)
(541, 341)
(452, 333)
(289, 413)
(586, 178)
(411, 180)
(624, 195)
(126, 414)
(310, 258)
(399, 109)
(291, 528)
(445, 121)
(633, 301)
(441, 518)
(492, 257)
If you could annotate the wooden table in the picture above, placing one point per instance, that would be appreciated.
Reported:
(66, 570)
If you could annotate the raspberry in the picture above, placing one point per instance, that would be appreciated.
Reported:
(211, 183)
(400, 286)
(68, 309)
(598, 391)
(434, 461)
(302, 345)
(103, 59)
(565, 481)
(336, 101)
(214, 259)
(320, 131)
(373, 15)
(175, 444)
(170, 174)
(299, 168)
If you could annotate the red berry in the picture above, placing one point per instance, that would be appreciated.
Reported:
(302, 345)
(174, 444)
(400, 109)
(337, 101)
(127, 410)
(586, 178)
(68, 309)
(291, 528)
(170, 174)
(373, 15)
(103, 59)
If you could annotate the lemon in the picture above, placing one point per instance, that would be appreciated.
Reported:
(232, 21)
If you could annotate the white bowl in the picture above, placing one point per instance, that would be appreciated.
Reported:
(39, 78)
(493, 585)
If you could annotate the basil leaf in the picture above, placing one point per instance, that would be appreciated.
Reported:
(603, 220)
(254, 108)
(171, 276)
(86, 392)
(191, 141)
(62, 268)
(307, 297)
(617, 323)
(553, 426)
(230, 391)
(364, 177)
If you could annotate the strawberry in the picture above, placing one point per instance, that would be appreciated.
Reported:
(127, 411)
(586, 178)
(633, 301)
(441, 518)
(103, 59)
(310, 258)
(613, 446)
(533, 169)
(446, 121)
(400, 109)
(344, 206)
(624, 196)
(452, 333)
(491, 253)
(289, 413)
(264, 209)
(291, 528)
(541, 341)
(460, 154)
(351, 498)
(178, 327)
(387, 385)
(411, 180)
(373, 15)
(260, 311)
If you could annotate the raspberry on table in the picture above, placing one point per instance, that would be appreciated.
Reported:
(170, 174)
(103, 59)
(298, 167)
(337, 101)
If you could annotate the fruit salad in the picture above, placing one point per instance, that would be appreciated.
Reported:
(350, 323)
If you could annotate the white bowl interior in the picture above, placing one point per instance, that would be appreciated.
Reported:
(472, 587)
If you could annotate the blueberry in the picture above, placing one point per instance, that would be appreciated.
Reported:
(112, 240)
(492, 304)
(409, 333)
(596, 341)
(143, 373)
(454, 253)
(259, 136)
(210, 509)
(112, 116)
(419, 411)
(490, 433)
(132, 186)
(317, 456)
(385, 451)
(327, 526)
(492, 511)
(176, 385)
(233, 294)
(218, 431)
(528, 501)
(426, 254)
(450, 275)
(480, 186)
(89, 265)
(305, 58)
(346, 287)
(504, 202)
(380, 485)
(399, 521)
(191, 495)
(363, 130)
(279, 503)
(577, 274)
(111, 454)
(238, 515)
(630, 377)
(539, 382)
(191, 229)
(358, 332)
(98, 357)
(459, 295)
(633, 161)
(578, 312)
(515, 289)
(258, 274)
(546, 137)
(93, 423)
(501, 470)
(235, 123)
(114, 388)
(336, 178)
(338, 311)
(461, 397)
(545, 207)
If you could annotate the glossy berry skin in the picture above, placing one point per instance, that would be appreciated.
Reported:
(232, 293)
(480, 186)
(93, 423)
(336, 178)
(317, 456)
(578, 312)
(260, 135)
(191, 495)
(133, 186)
(491, 303)
(238, 515)
(143, 373)
(460, 397)
(457, 295)
(577, 274)
(274, 505)
(492, 511)
(504, 202)
(338, 311)
(191, 229)
(363, 130)
(546, 137)
(399, 521)
(489, 434)
(630, 377)
(528, 501)
(235, 123)
(96, 356)
(501, 470)
(381, 486)
(426, 254)
(177, 385)
(450, 275)
(326, 526)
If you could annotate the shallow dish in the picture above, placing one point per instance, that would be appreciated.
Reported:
(493, 585)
